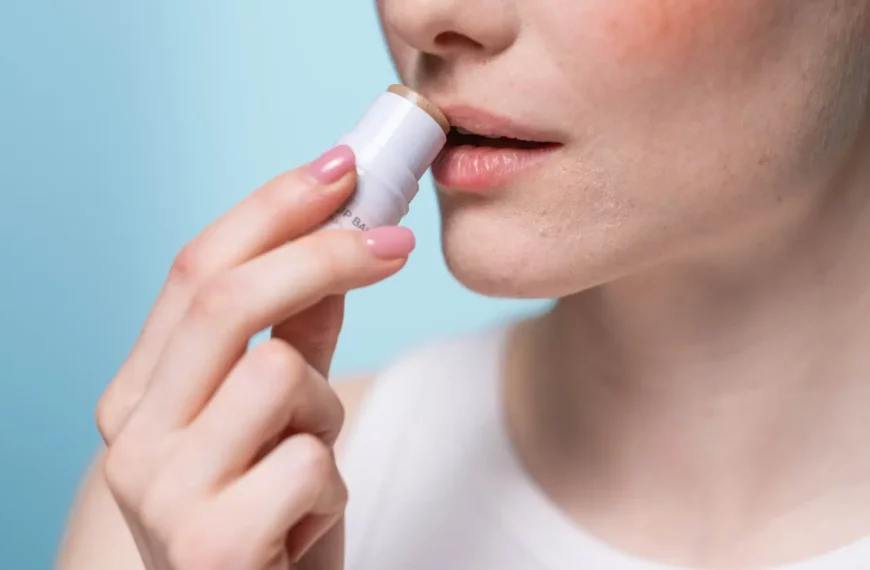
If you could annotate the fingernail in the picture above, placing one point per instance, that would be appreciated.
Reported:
(333, 164)
(390, 242)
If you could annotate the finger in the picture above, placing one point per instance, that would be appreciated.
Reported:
(314, 332)
(272, 391)
(298, 481)
(286, 207)
(324, 552)
(308, 532)
(264, 291)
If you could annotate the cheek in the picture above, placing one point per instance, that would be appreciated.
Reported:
(674, 30)
(401, 53)
(654, 35)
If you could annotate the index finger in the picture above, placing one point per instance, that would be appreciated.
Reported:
(286, 207)
(266, 290)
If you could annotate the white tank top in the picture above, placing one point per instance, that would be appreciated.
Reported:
(435, 485)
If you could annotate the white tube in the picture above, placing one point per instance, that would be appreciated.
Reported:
(395, 142)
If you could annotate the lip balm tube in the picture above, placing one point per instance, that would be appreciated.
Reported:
(395, 142)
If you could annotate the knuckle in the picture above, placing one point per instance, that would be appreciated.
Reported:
(314, 456)
(106, 414)
(340, 492)
(119, 471)
(334, 414)
(114, 406)
(281, 364)
(188, 264)
(338, 412)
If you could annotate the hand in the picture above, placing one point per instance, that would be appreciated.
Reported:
(220, 457)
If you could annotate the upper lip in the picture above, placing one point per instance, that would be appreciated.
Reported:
(490, 125)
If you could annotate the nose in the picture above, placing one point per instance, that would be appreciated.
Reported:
(450, 28)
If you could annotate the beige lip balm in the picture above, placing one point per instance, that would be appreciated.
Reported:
(395, 142)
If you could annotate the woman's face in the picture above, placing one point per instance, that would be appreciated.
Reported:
(686, 129)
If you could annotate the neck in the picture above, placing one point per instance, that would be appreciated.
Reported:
(743, 390)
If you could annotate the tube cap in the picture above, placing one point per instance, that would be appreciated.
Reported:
(398, 138)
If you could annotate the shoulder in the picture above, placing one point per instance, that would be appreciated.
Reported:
(417, 380)
(419, 427)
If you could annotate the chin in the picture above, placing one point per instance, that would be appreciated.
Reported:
(499, 253)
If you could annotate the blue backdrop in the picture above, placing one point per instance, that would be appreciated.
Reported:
(124, 128)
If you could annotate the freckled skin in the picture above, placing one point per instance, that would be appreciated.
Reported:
(687, 125)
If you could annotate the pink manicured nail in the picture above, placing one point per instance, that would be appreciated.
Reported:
(333, 164)
(390, 242)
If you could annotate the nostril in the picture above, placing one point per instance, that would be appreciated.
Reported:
(455, 40)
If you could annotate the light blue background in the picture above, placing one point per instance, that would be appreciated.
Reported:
(124, 128)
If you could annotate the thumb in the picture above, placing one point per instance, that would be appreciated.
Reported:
(327, 553)
(314, 332)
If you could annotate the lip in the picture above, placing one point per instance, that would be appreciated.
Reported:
(489, 124)
(480, 169)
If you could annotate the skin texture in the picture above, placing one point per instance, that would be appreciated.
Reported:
(685, 123)
(669, 33)
(697, 396)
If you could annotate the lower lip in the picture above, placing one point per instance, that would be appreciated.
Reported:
(478, 169)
